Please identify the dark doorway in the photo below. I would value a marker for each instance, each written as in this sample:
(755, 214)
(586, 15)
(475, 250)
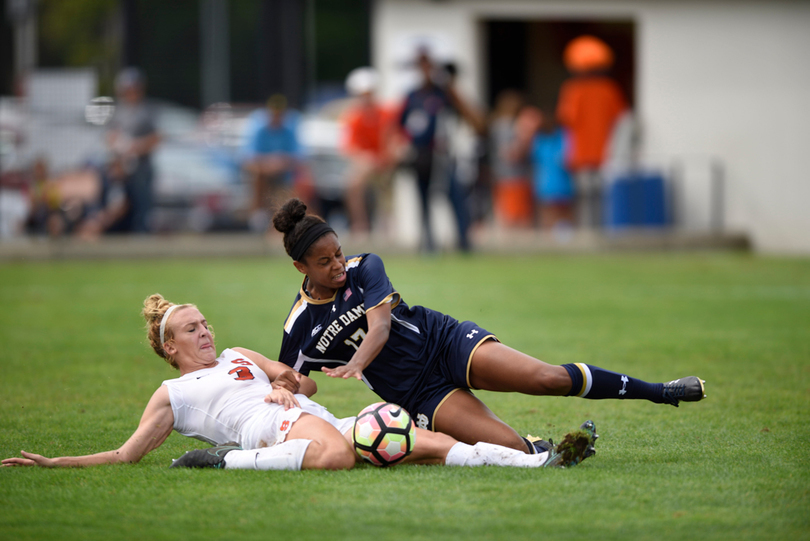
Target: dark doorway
(526, 55)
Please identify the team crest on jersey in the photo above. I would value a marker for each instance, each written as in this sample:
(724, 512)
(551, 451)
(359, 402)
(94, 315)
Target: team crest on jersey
(317, 329)
(347, 294)
(422, 421)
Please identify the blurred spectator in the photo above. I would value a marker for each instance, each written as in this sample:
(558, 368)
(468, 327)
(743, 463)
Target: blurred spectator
(14, 203)
(271, 157)
(45, 201)
(540, 139)
(370, 144)
(110, 213)
(590, 103)
(419, 120)
(133, 137)
(553, 188)
(510, 140)
(460, 146)
(60, 204)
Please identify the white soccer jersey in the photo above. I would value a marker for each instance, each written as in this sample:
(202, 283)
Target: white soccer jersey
(226, 403)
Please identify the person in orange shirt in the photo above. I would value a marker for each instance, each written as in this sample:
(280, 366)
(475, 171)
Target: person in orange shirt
(589, 105)
(369, 144)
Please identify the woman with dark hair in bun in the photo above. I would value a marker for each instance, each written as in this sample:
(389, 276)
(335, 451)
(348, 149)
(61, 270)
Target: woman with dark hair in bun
(348, 321)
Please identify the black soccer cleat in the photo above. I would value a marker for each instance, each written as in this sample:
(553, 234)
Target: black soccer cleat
(688, 389)
(213, 457)
(574, 448)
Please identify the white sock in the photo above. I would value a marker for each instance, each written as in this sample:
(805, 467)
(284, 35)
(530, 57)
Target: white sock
(283, 456)
(488, 454)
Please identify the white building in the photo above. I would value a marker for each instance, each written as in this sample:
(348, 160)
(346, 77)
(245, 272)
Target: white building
(718, 85)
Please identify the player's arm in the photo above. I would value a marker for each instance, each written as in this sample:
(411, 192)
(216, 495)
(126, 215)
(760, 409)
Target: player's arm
(379, 328)
(281, 375)
(155, 426)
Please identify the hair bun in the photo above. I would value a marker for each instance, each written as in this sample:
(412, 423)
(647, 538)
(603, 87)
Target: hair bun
(292, 212)
(152, 307)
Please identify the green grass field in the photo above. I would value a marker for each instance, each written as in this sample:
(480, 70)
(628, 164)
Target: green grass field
(77, 372)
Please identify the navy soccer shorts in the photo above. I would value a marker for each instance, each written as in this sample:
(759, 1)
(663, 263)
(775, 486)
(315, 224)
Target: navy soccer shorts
(451, 374)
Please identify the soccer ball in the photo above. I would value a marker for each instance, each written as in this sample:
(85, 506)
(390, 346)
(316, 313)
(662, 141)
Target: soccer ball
(384, 434)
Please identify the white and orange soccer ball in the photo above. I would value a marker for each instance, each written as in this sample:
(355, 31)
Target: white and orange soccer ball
(384, 434)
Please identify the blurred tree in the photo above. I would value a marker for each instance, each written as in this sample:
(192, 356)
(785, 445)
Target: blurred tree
(166, 39)
(81, 33)
(342, 38)
(163, 38)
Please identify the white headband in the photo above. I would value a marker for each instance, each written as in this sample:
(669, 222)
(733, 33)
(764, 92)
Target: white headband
(165, 319)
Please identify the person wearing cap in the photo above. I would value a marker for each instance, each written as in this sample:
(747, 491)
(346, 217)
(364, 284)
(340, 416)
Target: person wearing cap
(369, 143)
(589, 105)
(133, 136)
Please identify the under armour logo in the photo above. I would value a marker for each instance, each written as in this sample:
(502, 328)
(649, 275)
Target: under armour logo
(623, 390)
(472, 333)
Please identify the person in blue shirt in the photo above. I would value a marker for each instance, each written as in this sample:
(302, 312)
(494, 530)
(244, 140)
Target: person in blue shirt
(546, 144)
(349, 321)
(553, 186)
(271, 155)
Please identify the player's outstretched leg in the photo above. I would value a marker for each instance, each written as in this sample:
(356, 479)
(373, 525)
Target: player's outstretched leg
(212, 457)
(588, 381)
(496, 367)
(288, 455)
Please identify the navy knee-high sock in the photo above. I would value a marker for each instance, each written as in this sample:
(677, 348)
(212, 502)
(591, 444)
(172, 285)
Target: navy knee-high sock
(590, 381)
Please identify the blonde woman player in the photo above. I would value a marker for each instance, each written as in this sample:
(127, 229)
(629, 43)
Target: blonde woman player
(257, 414)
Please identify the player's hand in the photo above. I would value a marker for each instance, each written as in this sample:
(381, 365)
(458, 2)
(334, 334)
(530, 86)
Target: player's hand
(289, 379)
(30, 459)
(282, 397)
(346, 371)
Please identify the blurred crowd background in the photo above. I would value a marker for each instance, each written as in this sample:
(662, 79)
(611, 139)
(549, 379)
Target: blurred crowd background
(424, 124)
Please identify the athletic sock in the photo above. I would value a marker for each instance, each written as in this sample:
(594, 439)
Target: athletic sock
(283, 456)
(488, 454)
(596, 383)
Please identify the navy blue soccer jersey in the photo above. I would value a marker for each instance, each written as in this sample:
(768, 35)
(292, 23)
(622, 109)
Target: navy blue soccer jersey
(320, 333)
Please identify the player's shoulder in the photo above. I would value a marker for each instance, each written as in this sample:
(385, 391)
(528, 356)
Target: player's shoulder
(353, 261)
(230, 354)
(366, 261)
